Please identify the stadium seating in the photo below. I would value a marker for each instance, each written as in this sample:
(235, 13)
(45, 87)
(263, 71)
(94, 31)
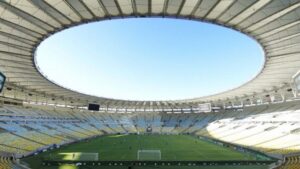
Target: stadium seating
(269, 128)
(273, 130)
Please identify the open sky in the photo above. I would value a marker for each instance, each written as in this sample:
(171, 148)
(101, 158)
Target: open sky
(149, 59)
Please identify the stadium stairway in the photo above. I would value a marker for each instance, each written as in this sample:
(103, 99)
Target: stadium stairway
(8, 163)
(292, 162)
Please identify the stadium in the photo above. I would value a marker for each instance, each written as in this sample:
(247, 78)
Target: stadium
(253, 126)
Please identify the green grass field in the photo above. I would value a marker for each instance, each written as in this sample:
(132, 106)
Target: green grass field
(125, 147)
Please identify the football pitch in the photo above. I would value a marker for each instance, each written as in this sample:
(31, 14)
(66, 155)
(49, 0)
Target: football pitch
(125, 148)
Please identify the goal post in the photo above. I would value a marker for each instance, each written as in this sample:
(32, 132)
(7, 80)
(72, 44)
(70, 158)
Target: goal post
(148, 155)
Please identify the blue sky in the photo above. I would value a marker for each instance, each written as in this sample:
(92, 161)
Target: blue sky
(149, 59)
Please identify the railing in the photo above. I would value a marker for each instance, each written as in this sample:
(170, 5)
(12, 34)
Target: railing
(157, 163)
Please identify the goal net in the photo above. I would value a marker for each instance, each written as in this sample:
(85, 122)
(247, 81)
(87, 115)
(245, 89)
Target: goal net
(151, 155)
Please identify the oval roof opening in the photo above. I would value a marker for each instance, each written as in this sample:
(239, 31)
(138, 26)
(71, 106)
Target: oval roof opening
(150, 59)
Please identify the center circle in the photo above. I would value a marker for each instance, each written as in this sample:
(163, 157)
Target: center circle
(149, 59)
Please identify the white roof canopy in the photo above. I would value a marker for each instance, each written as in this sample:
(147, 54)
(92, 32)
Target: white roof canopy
(275, 24)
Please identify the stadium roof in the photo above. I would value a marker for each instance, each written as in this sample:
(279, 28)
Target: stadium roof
(25, 23)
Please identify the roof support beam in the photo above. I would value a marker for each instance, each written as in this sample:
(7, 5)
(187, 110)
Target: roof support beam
(77, 6)
(52, 12)
(27, 49)
(18, 38)
(134, 8)
(149, 7)
(104, 9)
(119, 8)
(166, 4)
(32, 19)
(180, 7)
(192, 15)
(273, 17)
(22, 29)
(248, 12)
(22, 56)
